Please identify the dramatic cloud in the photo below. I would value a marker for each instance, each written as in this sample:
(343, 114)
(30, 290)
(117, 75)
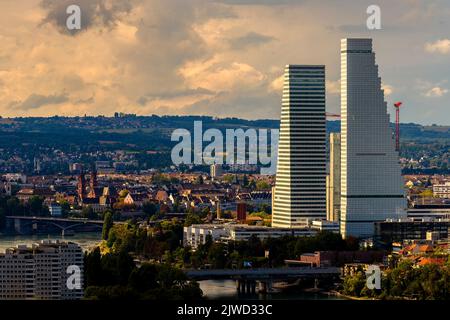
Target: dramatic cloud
(440, 46)
(220, 58)
(36, 101)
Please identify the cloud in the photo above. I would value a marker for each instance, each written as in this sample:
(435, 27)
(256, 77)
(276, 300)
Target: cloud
(277, 84)
(439, 46)
(261, 2)
(388, 89)
(333, 87)
(436, 92)
(220, 58)
(430, 89)
(35, 101)
(249, 40)
(93, 12)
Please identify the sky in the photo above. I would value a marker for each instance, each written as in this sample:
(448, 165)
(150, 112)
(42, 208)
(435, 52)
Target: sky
(222, 58)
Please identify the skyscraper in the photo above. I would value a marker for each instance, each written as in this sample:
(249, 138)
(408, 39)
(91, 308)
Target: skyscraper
(371, 182)
(301, 167)
(334, 178)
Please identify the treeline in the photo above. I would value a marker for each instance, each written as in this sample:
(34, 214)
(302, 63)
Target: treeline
(115, 276)
(11, 206)
(406, 281)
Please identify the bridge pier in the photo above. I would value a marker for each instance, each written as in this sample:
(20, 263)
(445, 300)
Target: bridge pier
(264, 286)
(245, 286)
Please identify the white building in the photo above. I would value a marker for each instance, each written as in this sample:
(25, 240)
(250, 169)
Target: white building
(442, 190)
(40, 271)
(55, 210)
(325, 225)
(196, 234)
(371, 183)
(300, 192)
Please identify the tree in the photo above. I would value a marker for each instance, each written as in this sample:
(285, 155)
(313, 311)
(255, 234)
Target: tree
(191, 219)
(65, 208)
(149, 208)
(199, 179)
(107, 225)
(13, 206)
(262, 185)
(244, 180)
(2, 219)
(89, 213)
(93, 268)
(144, 278)
(36, 206)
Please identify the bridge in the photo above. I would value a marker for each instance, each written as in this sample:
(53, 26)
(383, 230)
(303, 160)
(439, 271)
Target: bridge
(263, 273)
(248, 279)
(50, 225)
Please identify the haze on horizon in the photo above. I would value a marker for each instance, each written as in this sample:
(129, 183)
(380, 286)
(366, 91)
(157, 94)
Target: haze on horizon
(222, 58)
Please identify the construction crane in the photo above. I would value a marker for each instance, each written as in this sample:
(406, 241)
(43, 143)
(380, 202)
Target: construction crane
(397, 106)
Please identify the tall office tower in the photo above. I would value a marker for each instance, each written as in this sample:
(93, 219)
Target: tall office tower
(300, 194)
(334, 178)
(41, 271)
(371, 183)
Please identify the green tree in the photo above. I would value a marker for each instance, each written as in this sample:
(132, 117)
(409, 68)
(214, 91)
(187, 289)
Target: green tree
(36, 206)
(262, 185)
(88, 213)
(65, 208)
(93, 268)
(2, 219)
(144, 278)
(149, 208)
(107, 225)
(192, 218)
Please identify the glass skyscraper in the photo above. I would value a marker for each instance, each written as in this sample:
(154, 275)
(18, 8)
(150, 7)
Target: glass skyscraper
(371, 182)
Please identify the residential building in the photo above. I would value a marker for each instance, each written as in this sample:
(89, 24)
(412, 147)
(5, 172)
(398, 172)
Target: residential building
(371, 182)
(300, 194)
(55, 210)
(442, 190)
(393, 230)
(197, 234)
(40, 271)
(432, 210)
(325, 225)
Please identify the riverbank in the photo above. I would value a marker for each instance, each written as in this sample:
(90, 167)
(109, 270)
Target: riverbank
(85, 240)
(347, 297)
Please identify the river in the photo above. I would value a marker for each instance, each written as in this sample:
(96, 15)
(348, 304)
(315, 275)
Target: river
(85, 240)
(212, 289)
(226, 290)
